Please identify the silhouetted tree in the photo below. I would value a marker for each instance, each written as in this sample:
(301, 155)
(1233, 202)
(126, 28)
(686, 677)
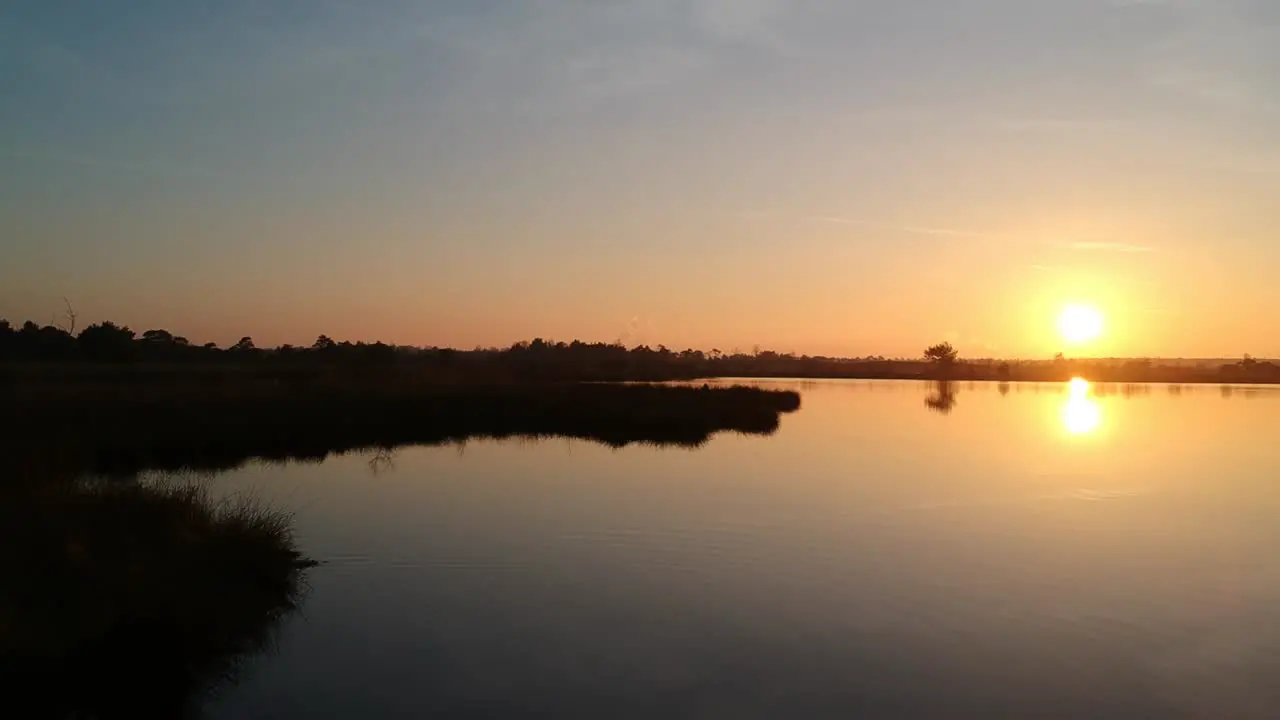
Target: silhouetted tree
(8, 340)
(941, 354)
(244, 344)
(163, 337)
(106, 341)
(106, 330)
(324, 342)
(942, 357)
(378, 352)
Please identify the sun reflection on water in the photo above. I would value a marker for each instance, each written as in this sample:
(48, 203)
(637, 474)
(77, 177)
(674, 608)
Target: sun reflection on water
(1082, 414)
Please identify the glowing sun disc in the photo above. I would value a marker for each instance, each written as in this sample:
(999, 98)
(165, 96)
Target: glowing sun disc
(1080, 324)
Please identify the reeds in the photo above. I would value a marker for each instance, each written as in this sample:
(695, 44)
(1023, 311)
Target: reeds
(133, 599)
(121, 431)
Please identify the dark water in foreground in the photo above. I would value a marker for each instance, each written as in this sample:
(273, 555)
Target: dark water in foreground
(889, 553)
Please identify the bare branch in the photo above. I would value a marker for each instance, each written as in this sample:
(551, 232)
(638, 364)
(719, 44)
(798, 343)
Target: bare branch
(71, 317)
(383, 459)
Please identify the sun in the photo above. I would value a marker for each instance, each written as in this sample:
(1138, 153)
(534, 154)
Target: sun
(1080, 324)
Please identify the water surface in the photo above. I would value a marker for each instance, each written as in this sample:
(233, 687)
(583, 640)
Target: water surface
(895, 550)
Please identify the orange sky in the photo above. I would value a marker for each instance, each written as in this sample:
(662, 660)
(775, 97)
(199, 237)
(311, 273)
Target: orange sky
(829, 179)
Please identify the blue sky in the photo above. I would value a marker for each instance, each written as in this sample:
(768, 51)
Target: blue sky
(859, 177)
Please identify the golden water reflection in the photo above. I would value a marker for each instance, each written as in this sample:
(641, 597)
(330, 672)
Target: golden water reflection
(1081, 415)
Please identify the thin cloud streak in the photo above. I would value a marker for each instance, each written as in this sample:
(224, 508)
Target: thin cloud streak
(911, 229)
(1110, 247)
(65, 156)
(1219, 54)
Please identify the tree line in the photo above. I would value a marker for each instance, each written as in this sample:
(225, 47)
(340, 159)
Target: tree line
(111, 343)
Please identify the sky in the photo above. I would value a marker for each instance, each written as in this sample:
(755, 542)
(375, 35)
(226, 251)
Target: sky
(855, 178)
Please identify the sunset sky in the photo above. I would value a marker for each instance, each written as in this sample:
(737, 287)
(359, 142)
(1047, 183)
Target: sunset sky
(861, 177)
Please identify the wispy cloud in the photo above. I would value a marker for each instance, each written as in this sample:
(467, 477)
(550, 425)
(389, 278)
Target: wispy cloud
(59, 155)
(1220, 53)
(1109, 247)
(910, 229)
(1060, 124)
(745, 20)
(56, 63)
(559, 53)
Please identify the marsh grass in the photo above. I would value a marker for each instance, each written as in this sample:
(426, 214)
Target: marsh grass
(136, 599)
(121, 431)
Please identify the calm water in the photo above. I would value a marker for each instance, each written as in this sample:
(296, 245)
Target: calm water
(1035, 553)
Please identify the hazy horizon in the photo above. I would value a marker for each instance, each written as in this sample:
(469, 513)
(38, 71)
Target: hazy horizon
(819, 178)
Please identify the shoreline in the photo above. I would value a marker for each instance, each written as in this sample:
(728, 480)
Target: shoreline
(120, 430)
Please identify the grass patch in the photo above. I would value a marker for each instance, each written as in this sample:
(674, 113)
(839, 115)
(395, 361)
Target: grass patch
(125, 430)
(135, 599)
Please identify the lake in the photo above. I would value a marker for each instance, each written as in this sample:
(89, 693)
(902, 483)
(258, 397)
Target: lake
(892, 551)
